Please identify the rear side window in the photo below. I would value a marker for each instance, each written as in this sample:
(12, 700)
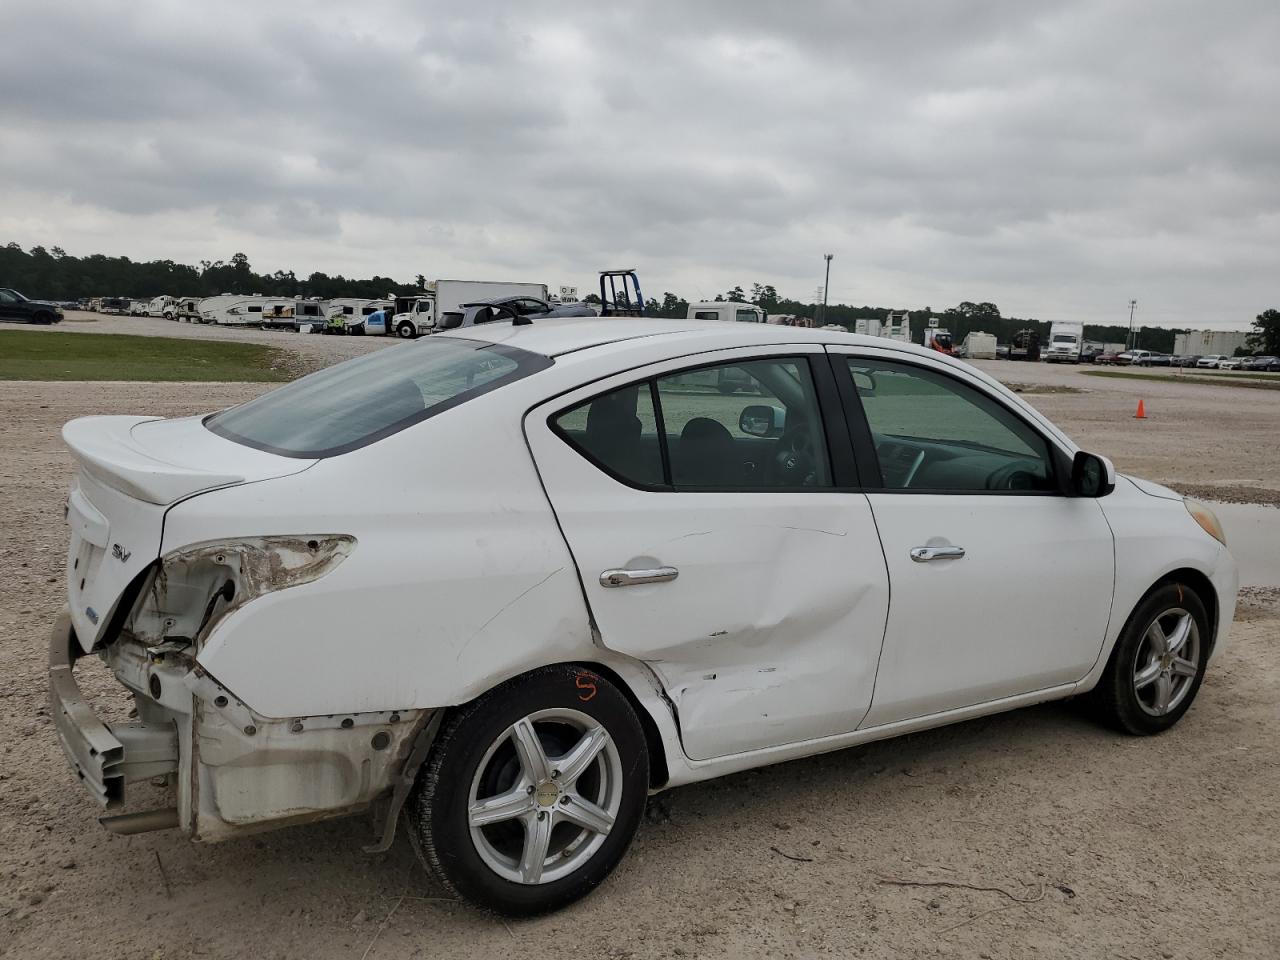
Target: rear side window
(751, 425)
(353, 404)
(618, 432)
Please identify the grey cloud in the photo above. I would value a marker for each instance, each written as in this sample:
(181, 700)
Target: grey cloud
(1054, 158)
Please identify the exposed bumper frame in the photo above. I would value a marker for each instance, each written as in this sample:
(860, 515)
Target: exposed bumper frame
(103, 757)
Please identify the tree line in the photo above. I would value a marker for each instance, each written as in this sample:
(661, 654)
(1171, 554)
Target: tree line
(54, 274)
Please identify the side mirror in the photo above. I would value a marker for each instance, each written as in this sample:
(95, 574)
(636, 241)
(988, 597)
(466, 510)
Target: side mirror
(762, 420)
(1091, 475)
(450, 320)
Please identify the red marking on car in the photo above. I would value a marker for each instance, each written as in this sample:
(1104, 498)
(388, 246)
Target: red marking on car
(586, 683)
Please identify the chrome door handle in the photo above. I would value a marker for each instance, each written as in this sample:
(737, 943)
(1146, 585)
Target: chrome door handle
(925, 554)
(629, 578)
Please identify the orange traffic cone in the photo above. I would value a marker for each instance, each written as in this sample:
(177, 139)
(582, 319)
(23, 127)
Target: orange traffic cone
(1142, 412)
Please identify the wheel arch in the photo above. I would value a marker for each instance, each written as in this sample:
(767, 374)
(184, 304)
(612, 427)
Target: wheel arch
(1204, 589)
(643, 701)
(1197, 579)
(659, 770)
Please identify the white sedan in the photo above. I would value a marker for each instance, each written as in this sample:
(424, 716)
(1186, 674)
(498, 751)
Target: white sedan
(512, 579)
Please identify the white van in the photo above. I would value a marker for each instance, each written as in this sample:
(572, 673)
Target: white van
(726, 310)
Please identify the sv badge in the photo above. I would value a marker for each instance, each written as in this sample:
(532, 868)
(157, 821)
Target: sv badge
(120, 553)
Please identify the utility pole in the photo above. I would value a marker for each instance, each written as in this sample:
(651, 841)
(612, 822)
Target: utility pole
(826, 285)
(1132, 304)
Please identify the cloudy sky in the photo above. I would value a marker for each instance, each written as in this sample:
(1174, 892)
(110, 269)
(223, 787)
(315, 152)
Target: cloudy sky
(1054, 158)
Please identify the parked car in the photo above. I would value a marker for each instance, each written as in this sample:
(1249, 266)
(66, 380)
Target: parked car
(14, 306)
(1264, 364)
(524, 309)
(1212, 361)
(599, 576)
(1158, 359)
(1186, 361)
(1108, 359)
(1230, 363)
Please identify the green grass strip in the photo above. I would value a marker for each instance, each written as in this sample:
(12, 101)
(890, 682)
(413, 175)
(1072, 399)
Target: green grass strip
(46, 355)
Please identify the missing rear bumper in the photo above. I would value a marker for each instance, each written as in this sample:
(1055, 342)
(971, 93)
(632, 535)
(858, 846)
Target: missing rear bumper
(105, 757)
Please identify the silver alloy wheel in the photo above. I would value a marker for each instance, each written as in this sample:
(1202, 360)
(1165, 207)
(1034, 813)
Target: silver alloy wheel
(1167, 661)
(545, 796)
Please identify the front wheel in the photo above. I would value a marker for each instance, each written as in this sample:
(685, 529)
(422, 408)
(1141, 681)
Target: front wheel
(533, 792)
(1158, 663)
(405, 330)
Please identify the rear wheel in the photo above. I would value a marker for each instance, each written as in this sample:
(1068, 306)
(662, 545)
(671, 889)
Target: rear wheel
(1158, 664)
(533, 792)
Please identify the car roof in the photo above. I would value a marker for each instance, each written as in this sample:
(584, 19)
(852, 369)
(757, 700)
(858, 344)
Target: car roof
(555, 337)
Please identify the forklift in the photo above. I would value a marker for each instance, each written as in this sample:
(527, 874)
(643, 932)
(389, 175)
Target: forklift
(620, 294)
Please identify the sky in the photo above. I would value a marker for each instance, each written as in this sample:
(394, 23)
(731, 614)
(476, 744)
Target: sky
(1057, 159)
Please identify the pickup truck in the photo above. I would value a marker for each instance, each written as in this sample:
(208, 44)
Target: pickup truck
(14, 306)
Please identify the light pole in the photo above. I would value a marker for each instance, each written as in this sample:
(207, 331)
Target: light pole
(826, 285)
(1132, 304)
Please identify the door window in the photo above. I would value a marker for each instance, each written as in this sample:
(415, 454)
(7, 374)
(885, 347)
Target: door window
(932, 432)
(737, 426)
(618, 432)
(705, 411)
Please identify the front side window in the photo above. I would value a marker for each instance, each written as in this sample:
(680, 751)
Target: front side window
(706, 315)
(932, 432)
(748, 316)
(8, 296)
(363, 400)
(748, 425)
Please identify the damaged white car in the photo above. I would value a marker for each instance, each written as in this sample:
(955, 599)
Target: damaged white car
(503, 583)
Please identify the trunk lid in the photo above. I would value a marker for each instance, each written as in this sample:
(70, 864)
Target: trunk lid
(132, 469)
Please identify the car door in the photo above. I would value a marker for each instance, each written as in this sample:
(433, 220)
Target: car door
(718, 540)
(1001, 583)
(10, 306)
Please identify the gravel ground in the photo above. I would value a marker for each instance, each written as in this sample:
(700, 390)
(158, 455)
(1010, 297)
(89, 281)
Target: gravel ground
(1084, 844)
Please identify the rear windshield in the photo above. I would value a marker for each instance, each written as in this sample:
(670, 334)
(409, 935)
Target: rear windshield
(355, 403)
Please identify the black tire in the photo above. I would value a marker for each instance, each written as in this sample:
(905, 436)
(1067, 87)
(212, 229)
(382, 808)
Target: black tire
(405, 330)
(44, 319)
(439, 816)
(1115, 700)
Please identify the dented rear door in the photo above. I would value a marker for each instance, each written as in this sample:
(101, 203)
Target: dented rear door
(771, 629)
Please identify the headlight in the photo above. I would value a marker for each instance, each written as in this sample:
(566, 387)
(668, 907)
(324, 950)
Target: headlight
(1206, 518)
(197, 586)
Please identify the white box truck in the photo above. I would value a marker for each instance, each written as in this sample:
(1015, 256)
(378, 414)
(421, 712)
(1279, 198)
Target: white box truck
(417, 315)
(1066, 343)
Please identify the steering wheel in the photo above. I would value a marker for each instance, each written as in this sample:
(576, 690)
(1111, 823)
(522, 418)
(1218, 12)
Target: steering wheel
(1018, 475)
(795, 457)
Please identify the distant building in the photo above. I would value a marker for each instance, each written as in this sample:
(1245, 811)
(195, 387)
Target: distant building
(1204, 342)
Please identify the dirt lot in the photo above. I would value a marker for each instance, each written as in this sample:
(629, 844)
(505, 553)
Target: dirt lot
(1083, 844)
